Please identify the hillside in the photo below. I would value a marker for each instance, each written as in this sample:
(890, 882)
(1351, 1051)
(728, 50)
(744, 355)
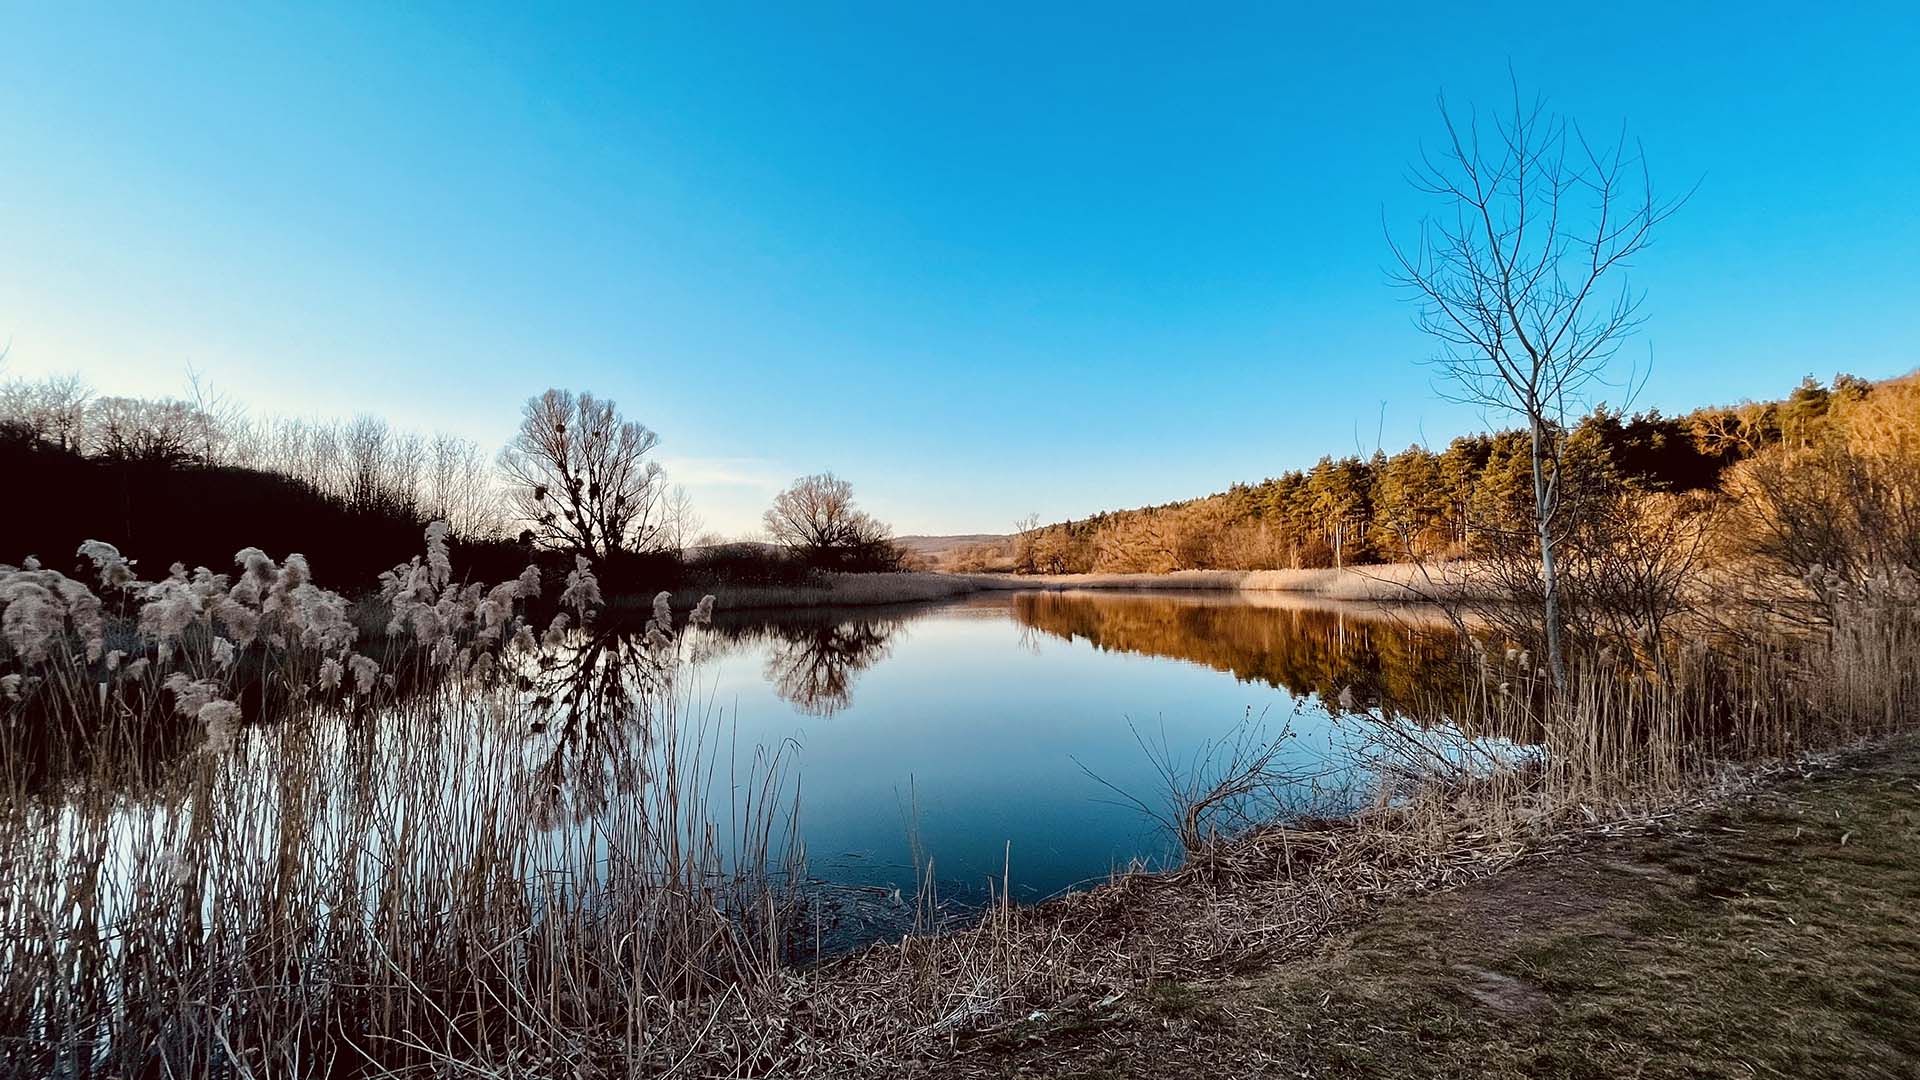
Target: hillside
(1421, 503)
(937, 548)
(160, 513)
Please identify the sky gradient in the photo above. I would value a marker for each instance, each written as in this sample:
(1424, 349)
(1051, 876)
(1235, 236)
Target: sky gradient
(979, 264)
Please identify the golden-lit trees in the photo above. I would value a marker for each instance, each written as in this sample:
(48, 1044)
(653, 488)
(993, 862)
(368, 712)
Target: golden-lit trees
(1411, 503)
(1473, 499)
(1835, 506)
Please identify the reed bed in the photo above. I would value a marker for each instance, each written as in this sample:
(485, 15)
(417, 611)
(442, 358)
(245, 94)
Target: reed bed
(1390, 582)
(240, 846)
(330, 898)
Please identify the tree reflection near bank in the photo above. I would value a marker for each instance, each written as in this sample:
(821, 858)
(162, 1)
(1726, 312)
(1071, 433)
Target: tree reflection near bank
(1350, 657)
(813, 656)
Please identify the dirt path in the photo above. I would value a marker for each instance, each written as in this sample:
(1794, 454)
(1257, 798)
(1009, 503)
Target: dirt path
(1776, 936)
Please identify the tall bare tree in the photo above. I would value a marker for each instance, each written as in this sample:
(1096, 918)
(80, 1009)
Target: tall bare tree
(679, 521)
(1520, 277)
(579, 474)
(217, 421)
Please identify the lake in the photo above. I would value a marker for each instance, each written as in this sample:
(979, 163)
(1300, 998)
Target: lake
(1025, 741)
(1014, 736)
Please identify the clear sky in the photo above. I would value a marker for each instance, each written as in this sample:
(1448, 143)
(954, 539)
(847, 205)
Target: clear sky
(978, 260)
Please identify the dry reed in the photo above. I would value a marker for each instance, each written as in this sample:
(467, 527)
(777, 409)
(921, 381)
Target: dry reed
(1391, 582)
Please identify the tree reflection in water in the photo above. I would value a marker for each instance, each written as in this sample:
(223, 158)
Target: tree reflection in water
(596, 698)
(1351, 657)
(591, 698)
(814, 656)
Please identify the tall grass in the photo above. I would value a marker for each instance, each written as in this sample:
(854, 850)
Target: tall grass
(495, 846)
(1391, 582)
(1629, 734)
(461, 877)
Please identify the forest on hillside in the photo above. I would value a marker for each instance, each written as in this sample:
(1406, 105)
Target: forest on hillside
(1422, 504)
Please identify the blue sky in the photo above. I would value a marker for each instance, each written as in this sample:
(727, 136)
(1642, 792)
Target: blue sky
(979, 262)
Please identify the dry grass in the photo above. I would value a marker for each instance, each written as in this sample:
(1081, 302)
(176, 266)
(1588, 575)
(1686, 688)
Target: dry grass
(1392, 582)
(342, 895)
(1769, 932)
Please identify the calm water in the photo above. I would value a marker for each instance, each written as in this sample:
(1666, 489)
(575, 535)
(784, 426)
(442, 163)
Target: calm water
(1011, 734)
(999, 732)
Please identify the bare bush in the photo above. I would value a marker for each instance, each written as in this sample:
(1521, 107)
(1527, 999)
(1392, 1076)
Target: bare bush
(816, 518)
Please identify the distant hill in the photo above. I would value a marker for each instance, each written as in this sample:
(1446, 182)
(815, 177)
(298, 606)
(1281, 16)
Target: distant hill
(935, 547)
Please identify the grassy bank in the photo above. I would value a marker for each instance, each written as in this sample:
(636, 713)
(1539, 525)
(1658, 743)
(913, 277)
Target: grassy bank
(1774, 932)
(1385, 582)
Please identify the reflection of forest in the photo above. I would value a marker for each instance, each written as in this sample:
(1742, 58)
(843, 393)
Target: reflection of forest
(813, 656)
(1303, 649)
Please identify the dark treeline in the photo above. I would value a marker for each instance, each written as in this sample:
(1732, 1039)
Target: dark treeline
(191, 480)
(164, 512)
(1419, 503)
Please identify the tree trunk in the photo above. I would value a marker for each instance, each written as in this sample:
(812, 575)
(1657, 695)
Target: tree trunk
(1545, 497)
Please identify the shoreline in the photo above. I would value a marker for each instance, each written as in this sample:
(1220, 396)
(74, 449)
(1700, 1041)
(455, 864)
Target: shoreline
(1032, 982)
(1385, 582)
(1779, 892)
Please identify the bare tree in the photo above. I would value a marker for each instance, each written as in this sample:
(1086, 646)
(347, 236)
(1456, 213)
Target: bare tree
(1025, 532)
(459, 487)
(52, 411)
(217, 421)
(679, 522)
(579, 474)
(816, 517)
(164, 432)
(1515, 278)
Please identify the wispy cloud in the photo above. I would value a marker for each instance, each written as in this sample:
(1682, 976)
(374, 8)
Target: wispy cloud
(736, 472)
(729, 493)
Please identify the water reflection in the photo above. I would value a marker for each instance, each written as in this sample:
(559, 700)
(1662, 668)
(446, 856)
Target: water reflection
(1351, 657)
(586, 706)
(1003, 725)
(814, 656)
(991, 738)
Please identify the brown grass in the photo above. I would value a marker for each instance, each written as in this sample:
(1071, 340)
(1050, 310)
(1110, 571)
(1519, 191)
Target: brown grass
(1391, 582)
(1769, 932)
